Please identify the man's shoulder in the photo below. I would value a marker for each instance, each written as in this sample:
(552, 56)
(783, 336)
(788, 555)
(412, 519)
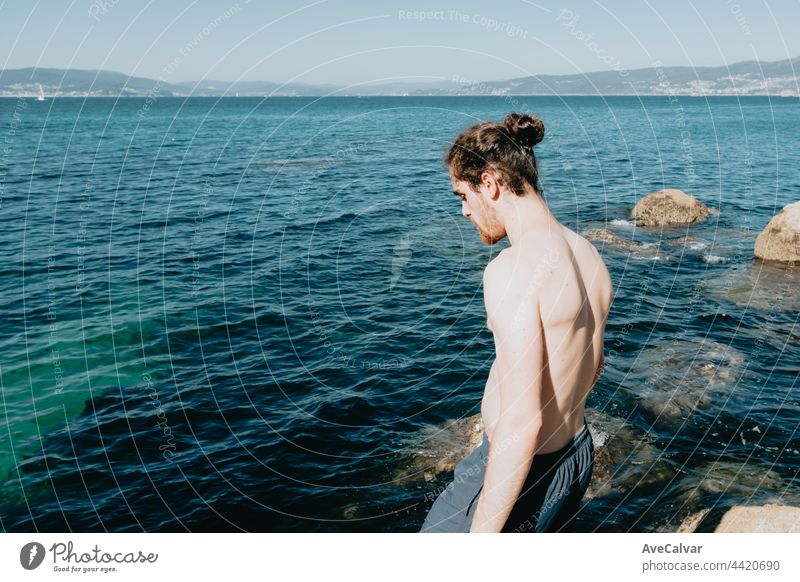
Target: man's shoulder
(509, 277)
(508, 292)
(506, 268)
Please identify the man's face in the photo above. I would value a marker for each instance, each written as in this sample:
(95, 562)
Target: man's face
(479, 207)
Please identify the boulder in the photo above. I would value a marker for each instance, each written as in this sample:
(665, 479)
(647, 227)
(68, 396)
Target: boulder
(760, 519)
(770, 518)
(780, 240)
(669, 207)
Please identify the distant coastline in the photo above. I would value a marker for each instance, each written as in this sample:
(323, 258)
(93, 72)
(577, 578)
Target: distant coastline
(747, 78)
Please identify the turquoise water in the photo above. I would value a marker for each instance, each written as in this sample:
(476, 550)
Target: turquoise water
(244, 314)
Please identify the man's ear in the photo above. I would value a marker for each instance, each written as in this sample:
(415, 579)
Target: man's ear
(490, 185)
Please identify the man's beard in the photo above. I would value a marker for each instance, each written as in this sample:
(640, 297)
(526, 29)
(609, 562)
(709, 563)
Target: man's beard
(490, 237)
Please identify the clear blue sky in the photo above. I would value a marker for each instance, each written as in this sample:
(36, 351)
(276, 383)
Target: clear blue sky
(343, 42)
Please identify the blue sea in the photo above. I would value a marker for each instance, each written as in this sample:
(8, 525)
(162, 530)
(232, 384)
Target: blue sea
(247, 314)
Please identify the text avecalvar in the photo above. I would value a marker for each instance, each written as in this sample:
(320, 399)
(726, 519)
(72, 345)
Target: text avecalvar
(671, 549)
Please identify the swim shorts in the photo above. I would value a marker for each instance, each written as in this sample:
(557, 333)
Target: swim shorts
(548, 501)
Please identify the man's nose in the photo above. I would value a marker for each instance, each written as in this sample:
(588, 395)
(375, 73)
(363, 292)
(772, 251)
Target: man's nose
(464, 211)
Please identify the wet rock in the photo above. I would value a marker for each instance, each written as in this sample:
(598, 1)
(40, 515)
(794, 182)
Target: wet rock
(436, 450)
(624, 458)
(605, 235)
(635, 250)
(708, 251)
(770, 518)
(669, 207)
(762, 519)
(780, 239)
(693, 521)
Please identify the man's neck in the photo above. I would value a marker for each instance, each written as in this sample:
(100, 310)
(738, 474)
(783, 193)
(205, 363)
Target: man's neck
(523, 214)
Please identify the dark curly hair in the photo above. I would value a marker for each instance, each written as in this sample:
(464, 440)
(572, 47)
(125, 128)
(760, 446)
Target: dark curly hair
(506, 148)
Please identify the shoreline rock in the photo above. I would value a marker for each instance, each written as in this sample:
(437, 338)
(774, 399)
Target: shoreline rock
(770, 518)
(636, 250)
(780, 239)
(438, 449)
(605, 235)
(669, 207)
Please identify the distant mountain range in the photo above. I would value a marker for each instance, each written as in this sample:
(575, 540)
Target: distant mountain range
(778, 78)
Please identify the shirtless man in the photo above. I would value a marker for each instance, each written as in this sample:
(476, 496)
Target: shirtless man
(547, 297)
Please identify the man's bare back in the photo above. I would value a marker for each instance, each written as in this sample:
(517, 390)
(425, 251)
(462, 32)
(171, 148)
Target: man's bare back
(547, 297)
(573, 290)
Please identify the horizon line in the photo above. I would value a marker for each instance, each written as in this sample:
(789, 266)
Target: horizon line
(318, 83)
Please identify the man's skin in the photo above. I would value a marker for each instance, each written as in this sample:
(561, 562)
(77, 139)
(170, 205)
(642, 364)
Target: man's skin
(547, 297)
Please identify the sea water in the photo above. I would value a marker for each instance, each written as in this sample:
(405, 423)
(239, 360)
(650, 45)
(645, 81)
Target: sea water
(246, 314)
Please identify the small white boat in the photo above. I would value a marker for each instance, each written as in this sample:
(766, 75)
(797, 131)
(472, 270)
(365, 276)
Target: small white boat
(41, 93)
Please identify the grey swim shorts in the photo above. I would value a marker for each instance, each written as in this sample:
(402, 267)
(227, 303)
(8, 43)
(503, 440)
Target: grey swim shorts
(548, 500)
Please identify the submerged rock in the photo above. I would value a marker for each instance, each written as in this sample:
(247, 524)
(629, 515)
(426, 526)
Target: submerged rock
(780, 239)
(674, 379)
(669, 207)
(708, 251)
(761, 286)
(689, 243)
(739, 479)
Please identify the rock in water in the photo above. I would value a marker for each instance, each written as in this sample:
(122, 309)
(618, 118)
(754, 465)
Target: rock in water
(765, 286)
(764, 519)
(604, 235)
(635, 250)
(624, 458)
(780, 240)
(770, 518)
(740, 479)
(436, 450)
(676, 378)
(668, 208)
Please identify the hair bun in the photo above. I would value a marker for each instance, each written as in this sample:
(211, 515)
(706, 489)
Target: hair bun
(526, 130)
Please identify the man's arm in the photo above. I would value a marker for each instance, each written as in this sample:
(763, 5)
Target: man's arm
(512, 309)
